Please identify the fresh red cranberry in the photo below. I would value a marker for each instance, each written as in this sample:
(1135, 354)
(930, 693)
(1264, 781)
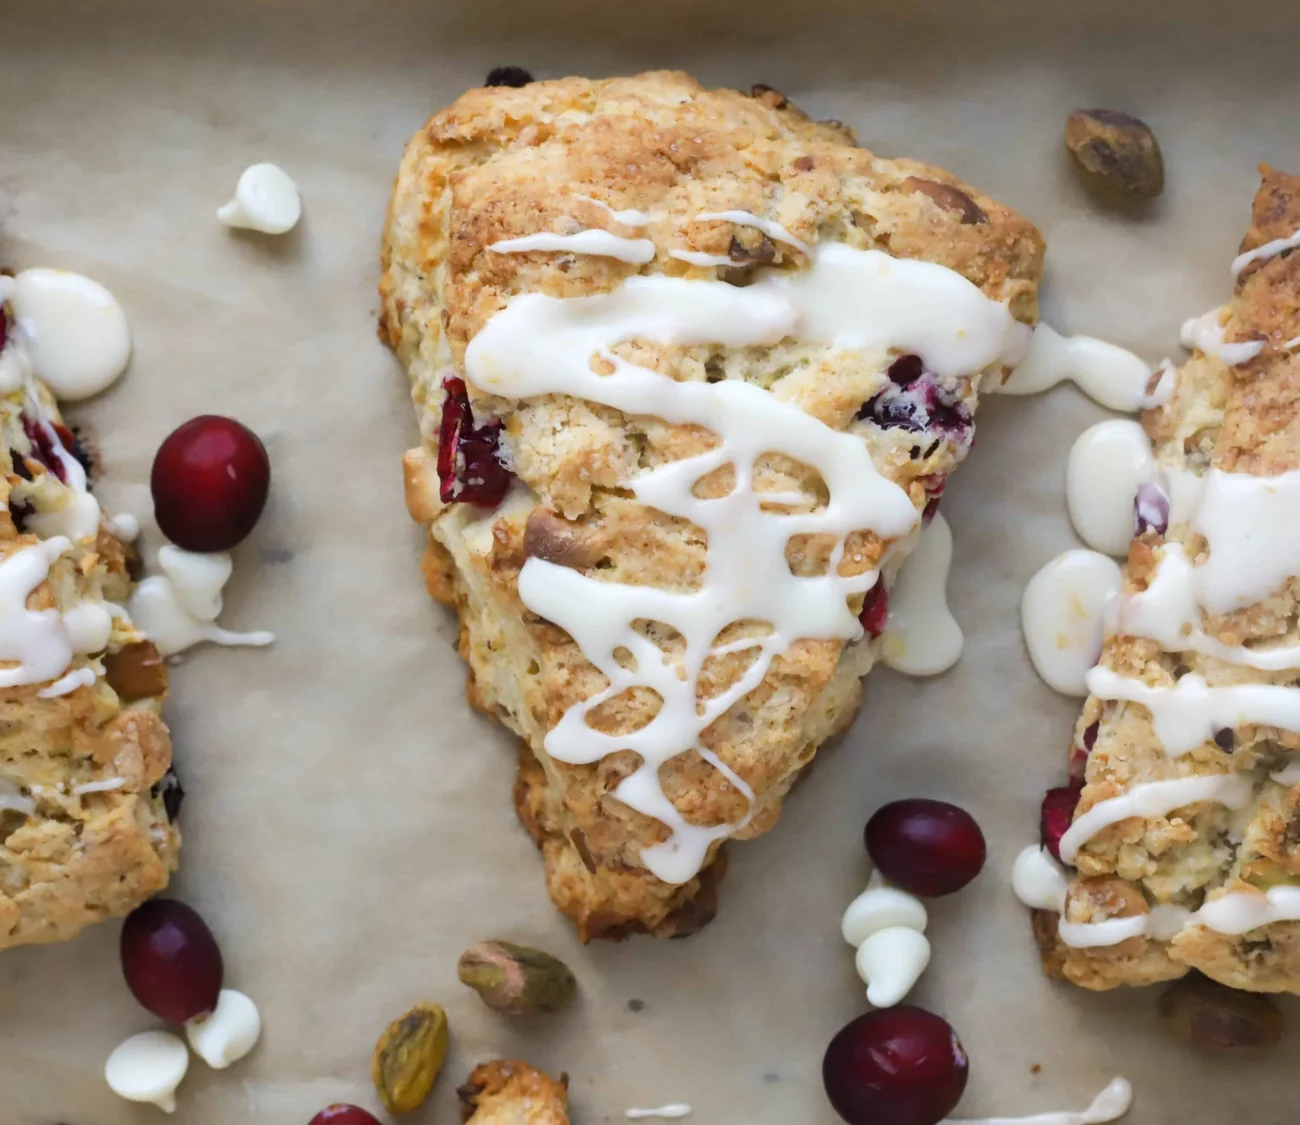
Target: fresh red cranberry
(4, 328)
(209, 482)
(924, 846)
(895, 1066)
(340, 1113)
(934, 484)
(469, 467)
(171, 960)
(1150, 510)
(915, 401)
(1079, 753)
(1057, 814)
(875, 609)
(75, 446)
(172, 793)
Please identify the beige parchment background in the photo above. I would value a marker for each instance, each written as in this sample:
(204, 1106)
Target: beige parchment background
(348, 828)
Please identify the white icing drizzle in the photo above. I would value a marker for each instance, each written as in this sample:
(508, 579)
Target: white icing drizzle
(35, 638)
(70, 332)
(1206, 333)
(1253, 532)
(1167, 612)
(79, 518)
(1163, 391)
(105, 785)
(863, 300)
(178, 608)
(1232, 912)
(1062, 614)
(628, 217)
(1106, 465)
(125, 527)
(770, 228)
(1112, 376)
(1188, 714)
(89, 625)
(922, 638)
(66, 685)
(674, 1109)
(1112, 1103)
(1152, 799)
(1038, 880)
(699, 258)
(1268, 250)
(599, 243)
(1289, 775)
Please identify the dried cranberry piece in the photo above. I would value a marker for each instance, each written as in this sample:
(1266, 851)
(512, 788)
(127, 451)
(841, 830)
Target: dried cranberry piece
(875, 610)
(172, 793)
(43, 449)
(1090, 735)
(469, 468)
(906, 370)
(515, 76)
(934, 484)
(1079, 754)
(73, 444)
(1226, 740)
(1150, 510)
(20, 511)
(1056, 815)
(4, 328)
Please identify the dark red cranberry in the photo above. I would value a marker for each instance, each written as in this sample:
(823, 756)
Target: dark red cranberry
(1057, 814)
(875, 609)
(906, 370)
(924, 846)
(172, 793)
(934, 484)
(342, 1114)
(469, 467)
(1225, 739)
(508, 76)
(1090, 735)
(74, 445)
(209, 482)
(4, 328)
(1150, 510)
(42, 440)
(895, 1066)
(20, 512)
(171, 960)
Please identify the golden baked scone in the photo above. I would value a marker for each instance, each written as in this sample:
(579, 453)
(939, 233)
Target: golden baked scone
(510, 1092)
(86, 792)
(600, 286)
(1194, 718)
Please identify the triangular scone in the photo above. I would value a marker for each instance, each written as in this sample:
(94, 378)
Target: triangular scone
(615, 299)
(87, 796)
(1197, 689)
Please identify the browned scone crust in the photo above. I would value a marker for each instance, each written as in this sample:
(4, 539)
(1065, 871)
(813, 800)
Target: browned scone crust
(510, 1092)
(1243, 419)
(503, 163)
(70, 857)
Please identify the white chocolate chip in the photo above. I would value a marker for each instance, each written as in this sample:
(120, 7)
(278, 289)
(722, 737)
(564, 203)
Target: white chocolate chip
(228, 1033)
(147, 1068)
(890, 962)
(266, 199)
(878, 908)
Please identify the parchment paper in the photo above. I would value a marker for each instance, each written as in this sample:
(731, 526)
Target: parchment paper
(348, 828)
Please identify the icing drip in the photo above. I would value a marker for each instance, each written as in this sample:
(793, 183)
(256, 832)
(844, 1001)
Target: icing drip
(1113, 1102)
(853, 299)
(72, 333)
(35, 638)
(1205, 333)
(1260, 253)
(772, 229)
(1189, 714)
(922, 638)
(699, 258)
(676, 1109)
(629, 217)
(1038, 880)
(1112, 376)
(1154, 798)
(1107, 463)
(599, 243)
(178, 608)
(66, 685)
(1062, 614)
